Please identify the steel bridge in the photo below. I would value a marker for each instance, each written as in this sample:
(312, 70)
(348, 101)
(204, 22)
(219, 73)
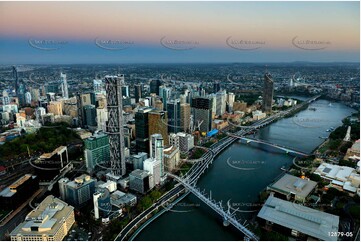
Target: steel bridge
(228, 217)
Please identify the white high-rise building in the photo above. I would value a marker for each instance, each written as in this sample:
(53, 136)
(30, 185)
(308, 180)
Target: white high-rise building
(102, 118)
(230, 100)
(221, 102)
(157, 149)
(153, 166)
(6, 98)
(27, 98)
(64, 86)
(99, 87)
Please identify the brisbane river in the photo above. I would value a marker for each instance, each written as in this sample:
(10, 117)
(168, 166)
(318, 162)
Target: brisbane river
(241, 172)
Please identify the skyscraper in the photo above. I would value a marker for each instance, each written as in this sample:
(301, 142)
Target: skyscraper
(267, 93)
(174, 116)
(202, 112)
(154, 86)
(142, 129)
(90, 115)
(16, 78)
(185, 114)
(216, 87)
(96, 150)
(164, 93)
(113, 87)
(137, 92)
(64, 86)
(158, 124)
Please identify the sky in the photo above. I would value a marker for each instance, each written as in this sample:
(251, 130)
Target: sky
(178, 32)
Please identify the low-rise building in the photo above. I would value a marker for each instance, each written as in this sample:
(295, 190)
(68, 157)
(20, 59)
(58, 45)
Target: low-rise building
(339, 176)
(50, 221)
(299, 220)
(139, 181)
(293, 188)
(120, 199)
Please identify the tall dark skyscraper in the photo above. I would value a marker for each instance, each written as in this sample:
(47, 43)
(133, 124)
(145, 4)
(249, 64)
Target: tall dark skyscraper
(216, 87)
(267, 93)
(137, 92)
(16, 78)
(142, 129)
(202, 111)
(174, 116)
(114, 125)
(154, 86)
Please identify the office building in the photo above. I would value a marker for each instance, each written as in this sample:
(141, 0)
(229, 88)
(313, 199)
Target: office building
(153, 166)
(138, 91)
(55, 107)
(102, 118)
(267, 97)
(138, 160)
(221, 98)
(164, 93)
(125, 91)
(77, 192)
(171, 158)
(154, 86)
(102, 205)
(183, 141)
(115, 123)
(96, 150)
(142, 129)
(120, 199)
(64, 86)
(185, 114)
(202, 113)
(174, 116)
(158, 124)
(27, 98)
(139, 181)
(50, 221)
(98, 86)
(216, 87)
(90, 114)
(230, 101)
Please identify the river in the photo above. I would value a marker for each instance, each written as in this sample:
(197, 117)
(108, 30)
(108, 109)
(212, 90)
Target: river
(241, 171)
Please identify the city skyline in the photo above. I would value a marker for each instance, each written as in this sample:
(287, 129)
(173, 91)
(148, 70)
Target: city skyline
(207, 32)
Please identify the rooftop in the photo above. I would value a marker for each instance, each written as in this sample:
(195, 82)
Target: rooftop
(119, 199)
(292, 184)
(20, 181)
(340, 173)
(51, 154)
(46, 218)
(139, 173)
(300, 218)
